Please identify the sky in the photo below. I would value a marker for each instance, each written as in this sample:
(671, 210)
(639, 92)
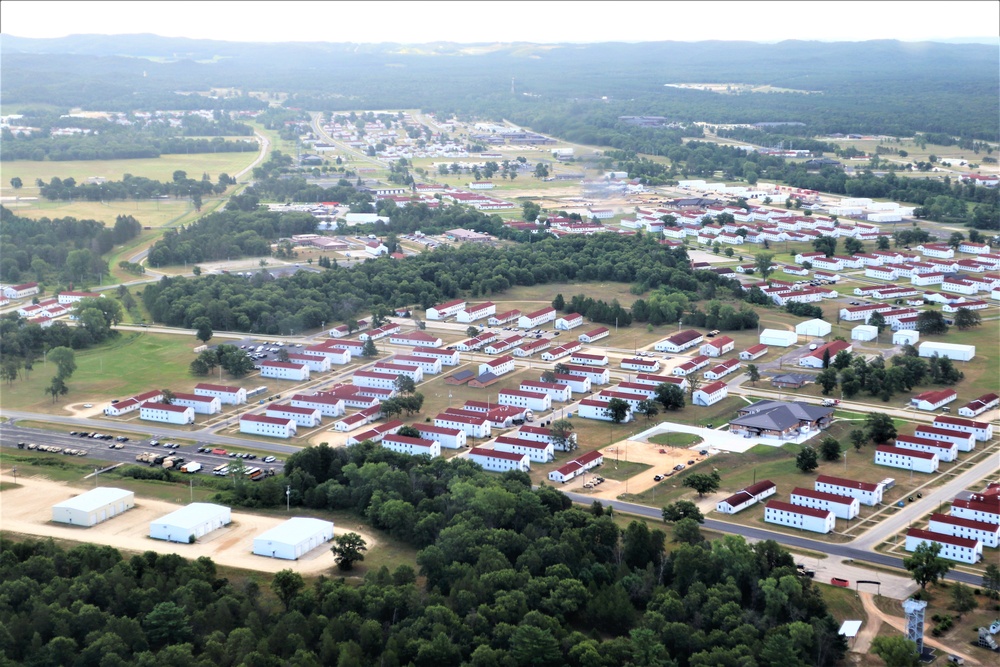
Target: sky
(538, 21)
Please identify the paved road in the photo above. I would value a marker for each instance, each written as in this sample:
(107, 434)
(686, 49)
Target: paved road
(847, 551)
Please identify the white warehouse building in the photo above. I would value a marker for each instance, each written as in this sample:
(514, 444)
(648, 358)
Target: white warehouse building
(778, 338)
(293, 539)
(189, 523)
(816, 328)
(953, 351)
(93, 507)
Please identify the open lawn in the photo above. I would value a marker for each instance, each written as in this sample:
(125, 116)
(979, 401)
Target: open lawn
(158, 168)
(128, 365)
(676, 439)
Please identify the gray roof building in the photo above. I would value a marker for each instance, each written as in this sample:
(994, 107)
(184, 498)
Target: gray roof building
(781, 416)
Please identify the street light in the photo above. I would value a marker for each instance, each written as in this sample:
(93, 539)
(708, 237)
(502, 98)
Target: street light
(288, 498)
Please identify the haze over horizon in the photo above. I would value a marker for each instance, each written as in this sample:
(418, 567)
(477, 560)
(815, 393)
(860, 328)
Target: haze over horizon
(504, 22)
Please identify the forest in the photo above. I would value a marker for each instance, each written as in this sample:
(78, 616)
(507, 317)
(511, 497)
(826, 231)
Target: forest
(305, 300)
(506, 576)
(883, 87)
(63, 250)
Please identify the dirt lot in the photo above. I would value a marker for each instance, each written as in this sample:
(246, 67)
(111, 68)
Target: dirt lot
(27, 510)
(637, 452)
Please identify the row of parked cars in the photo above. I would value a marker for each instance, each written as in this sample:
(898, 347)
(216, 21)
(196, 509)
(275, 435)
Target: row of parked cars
(52, 449)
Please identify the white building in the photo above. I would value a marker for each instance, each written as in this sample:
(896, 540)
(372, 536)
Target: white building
(536, 401)
(843, 507)
(315, 362)
(497, 461)
(746, 497)
(691, 366)
(413, 446)
(864, 332)
(953, 351)
(226, 395)
(806, 518)
(718, 346)
(577, 467)
(596, 374)
(202, 405)
(753, 352)
(375, 379)
(905, 337)
(557, 391)
(980, 405)
(594, 335)
(934, 399)
(866, 493)
(569, 321)
(93, 507)
(169, 414)
(985, 532)
(589, 359)
(476, 427)
(452, 438)
(498, 366)
(190, 522)
(778, 338)
(477, 311)
(430, 365)
(532, 320)
(966, 442)
(447, 357)
(710, 394)
(306, 417)
(281, 370)
(952, 548)
(416, 339)
(415, 373)
(815, 328)
(536, 451)
(445, 310)
(722, 370)
(598, 409)
(293, 539)
(641, 365)
(282, 427)
(907, 459)
(982, 431)
(327, 406)
(578, 384)
(976, 510)
(680, 341)
(946, 451)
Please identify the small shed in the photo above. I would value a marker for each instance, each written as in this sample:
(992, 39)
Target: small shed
(864, 332)
(189, 523)
(815, 328)
(778, 337)
(93, 507)
(293, 539)
(905, 337)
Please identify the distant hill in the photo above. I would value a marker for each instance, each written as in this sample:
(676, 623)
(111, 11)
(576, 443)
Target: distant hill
(877, 77)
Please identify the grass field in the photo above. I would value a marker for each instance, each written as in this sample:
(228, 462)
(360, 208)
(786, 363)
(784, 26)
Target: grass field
(676, 439)
(131, 364)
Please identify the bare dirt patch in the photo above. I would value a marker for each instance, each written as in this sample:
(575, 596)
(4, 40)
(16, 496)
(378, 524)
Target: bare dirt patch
(28, 510)
(637, 452)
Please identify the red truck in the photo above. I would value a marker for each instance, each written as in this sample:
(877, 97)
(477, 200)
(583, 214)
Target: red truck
(843, 583)
(220, 452)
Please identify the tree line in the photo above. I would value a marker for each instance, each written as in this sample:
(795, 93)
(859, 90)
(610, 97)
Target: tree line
(135, 187)
(308, 299)
(64, 250)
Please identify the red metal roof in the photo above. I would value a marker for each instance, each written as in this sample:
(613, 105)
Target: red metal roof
(798, 509)
(941, 537)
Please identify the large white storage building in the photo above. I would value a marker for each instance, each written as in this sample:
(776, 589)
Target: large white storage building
(778, 338)
(192, 521)
(953, 351)
(815, 328)
(293, 539)
(93, 507)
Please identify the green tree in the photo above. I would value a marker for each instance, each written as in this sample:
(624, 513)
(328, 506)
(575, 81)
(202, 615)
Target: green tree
(559, 303)
(688, 531)
(754, 373)
(896, 651)
(829, 449)
(167, 623)
(286, 585)
(931, 323)
(196, 270)
(682, 509)
(531, 646)
(807, 459)
(956, 239)
(282, 355)
(561, 431)
(348, 549)
(925, 566)
(405, 384)
(877, 320)
(853, 246)
(703, 483)
(879, 427)
(991, 581)
(858, 438)
(472, 331)
(763, 264)
(966, 319)
(203, 327)
(57, 387)
(16, 183)
(168, 396)
(369, 351)
(962, 598)
(670, 396)
(619, 410)
(65, 361)
(827, 380)
(648, 407)
(882, 243)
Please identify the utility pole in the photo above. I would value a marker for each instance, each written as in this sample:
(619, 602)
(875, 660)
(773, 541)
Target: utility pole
(288, 498)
